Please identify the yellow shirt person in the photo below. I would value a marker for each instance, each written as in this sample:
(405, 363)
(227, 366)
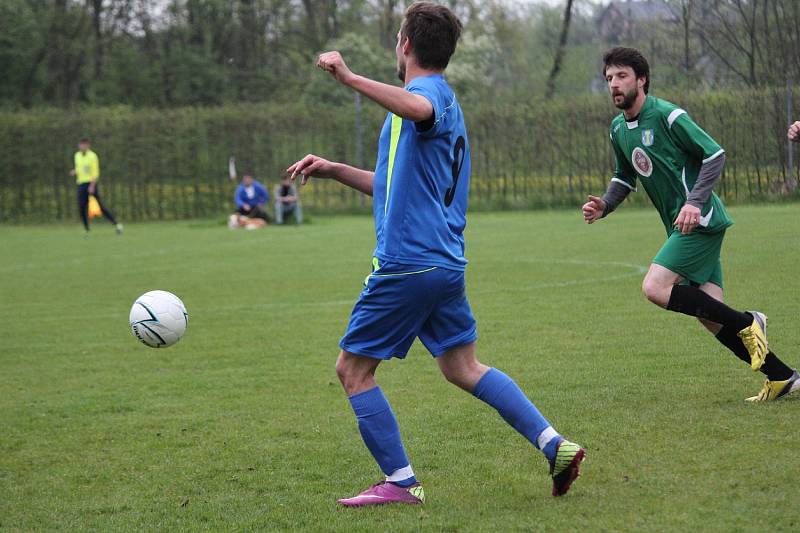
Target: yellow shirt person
(87, 166)
(86, 172)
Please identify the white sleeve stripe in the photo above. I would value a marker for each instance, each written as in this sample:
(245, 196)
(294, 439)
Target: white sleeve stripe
(713, 157)
(674, 116)
(628, 185)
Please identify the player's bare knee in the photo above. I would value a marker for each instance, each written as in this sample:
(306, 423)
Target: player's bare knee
(458, 379)
(464, 375)
(344, 369)
(655, 292)
(452, 375)
(353, 372)
(340, 373)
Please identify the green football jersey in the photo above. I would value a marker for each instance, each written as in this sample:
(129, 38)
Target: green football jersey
(665, 149)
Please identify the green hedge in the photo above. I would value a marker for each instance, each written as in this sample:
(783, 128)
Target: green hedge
(171, 164)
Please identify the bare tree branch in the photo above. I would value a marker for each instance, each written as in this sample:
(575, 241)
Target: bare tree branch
(560, 51)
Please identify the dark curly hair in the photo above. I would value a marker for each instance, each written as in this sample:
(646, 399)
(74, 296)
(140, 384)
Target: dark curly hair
(628, 57)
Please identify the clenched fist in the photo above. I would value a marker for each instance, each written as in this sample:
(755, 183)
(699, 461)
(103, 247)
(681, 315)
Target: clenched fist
(334, 63)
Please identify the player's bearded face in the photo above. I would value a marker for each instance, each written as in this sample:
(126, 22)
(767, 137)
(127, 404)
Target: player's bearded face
(624, 99)
(623, 86)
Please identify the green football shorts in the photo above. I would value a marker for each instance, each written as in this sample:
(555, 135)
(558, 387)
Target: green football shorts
(695, 256)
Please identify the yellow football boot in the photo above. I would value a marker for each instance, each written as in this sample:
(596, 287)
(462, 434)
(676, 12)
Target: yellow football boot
(772, 390)
(754, 338)
(566, 466)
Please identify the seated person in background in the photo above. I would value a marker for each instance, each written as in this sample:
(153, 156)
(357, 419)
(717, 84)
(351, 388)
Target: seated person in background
(250, 198)
(286, 201)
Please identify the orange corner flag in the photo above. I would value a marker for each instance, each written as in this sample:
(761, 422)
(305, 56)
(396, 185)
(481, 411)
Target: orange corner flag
(94, 208)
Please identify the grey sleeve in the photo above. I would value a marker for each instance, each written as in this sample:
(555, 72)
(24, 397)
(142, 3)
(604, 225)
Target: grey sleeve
(614, 195)
(706, 179)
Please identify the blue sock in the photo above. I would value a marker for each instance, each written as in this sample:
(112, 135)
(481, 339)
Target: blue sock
(381, 434)
(500, 391)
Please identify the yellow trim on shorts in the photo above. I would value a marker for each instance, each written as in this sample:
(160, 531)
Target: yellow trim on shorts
(403, 273)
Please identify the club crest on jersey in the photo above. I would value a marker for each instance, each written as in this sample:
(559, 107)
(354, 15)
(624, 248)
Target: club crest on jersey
(642, 162)
(648, 137)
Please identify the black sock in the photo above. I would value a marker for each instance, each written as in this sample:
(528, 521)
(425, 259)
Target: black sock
(773, 368)
(694, 302)
(729, 339)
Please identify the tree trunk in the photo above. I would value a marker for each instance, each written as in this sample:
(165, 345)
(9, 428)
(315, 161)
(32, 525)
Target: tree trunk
(388, 24)
(312, 29)
(686, 14)
(560, 51)
(97, 12)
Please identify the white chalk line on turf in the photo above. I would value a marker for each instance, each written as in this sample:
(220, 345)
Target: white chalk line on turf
(636, 270)
(199, 310)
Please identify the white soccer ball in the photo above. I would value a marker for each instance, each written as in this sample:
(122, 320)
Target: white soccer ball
(158, 319)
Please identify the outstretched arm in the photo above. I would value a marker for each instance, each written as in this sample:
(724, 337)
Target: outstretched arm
(397, 100)
(312, 166)
(620, 187)
(597, 208)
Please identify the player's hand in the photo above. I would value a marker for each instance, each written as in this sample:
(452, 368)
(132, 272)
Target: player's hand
(246, 207)
(72, 172)
(92, 188)
(688, 219)
(593, 209)
(334, 63)
(794, 132)
(312, 166)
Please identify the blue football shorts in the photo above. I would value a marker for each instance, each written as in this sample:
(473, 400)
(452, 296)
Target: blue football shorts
(402, 302)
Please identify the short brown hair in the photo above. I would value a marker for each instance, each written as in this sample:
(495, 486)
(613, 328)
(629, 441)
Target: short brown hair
(433, 31)
(628, 57)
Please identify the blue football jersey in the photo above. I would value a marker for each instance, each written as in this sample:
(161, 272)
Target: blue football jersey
(422, 183)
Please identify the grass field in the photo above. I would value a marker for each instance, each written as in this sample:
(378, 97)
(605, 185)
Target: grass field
(243, 425)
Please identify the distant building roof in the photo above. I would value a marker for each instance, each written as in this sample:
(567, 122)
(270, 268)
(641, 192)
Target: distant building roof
(621, 16)
(643, 10)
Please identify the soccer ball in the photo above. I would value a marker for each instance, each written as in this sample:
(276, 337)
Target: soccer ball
(158, 319)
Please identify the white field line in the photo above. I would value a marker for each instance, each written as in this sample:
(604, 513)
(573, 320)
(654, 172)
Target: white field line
(633, 270)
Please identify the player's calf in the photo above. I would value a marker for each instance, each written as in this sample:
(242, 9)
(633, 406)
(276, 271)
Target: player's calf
(501, 392)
